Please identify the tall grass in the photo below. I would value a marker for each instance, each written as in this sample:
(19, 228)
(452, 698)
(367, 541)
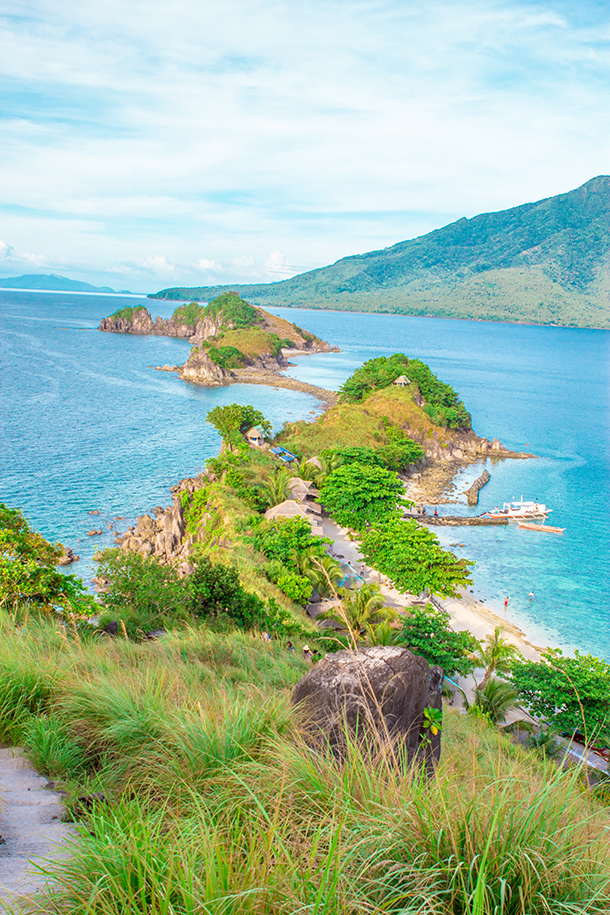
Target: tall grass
(215, 804)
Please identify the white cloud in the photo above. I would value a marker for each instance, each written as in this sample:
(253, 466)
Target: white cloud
(277, 264)
(243, 263)
(153, 264)
(205, 263)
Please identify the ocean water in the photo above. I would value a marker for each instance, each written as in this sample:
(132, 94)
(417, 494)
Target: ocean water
(87, 424)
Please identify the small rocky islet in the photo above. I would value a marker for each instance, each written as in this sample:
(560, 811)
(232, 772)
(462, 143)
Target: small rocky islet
(231, 341)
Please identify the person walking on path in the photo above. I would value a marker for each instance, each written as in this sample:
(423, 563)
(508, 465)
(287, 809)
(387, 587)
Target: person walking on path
(307, 654)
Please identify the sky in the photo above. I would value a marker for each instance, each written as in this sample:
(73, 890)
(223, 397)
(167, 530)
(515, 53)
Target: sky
(149, 144)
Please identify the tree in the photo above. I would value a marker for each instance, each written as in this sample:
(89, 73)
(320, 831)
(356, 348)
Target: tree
(427, 632)
(28, 573)
(325, 573)
(570, 694)
(143, 593)
(360, 609)
(411, 556)
(275, 489)
(496, 698)
(357, 495)
(284, 538)
(374, 374)
(234, 419)
(496, 655)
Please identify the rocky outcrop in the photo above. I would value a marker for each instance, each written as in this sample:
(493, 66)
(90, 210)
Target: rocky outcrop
(140, 322)
(377, 695)
(472, 494)
(68, 556)
(200, 369)
(162, 535)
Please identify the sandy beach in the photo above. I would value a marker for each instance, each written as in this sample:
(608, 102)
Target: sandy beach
(466, 612)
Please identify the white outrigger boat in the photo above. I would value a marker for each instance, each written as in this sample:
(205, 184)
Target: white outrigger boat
(519, 510)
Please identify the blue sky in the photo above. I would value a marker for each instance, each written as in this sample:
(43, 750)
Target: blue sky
(148, 144)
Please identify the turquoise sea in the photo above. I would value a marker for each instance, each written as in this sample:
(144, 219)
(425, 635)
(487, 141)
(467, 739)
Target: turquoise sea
(87, 424)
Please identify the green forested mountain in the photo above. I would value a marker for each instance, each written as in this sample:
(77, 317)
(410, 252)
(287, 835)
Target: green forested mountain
(546, 262)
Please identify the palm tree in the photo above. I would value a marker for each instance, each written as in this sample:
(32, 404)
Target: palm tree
(359, 609)
(546, 743)
(496, 655)
(496, 698)
(383, 634)
(325, 573)
(276, 488)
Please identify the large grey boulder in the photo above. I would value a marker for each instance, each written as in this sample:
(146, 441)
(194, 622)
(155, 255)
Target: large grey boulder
(375, 694)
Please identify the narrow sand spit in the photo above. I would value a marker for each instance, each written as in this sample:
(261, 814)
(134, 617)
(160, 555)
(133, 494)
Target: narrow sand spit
(31, 828)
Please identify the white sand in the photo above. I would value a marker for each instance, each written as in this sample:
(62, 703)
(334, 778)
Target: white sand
(466, 613)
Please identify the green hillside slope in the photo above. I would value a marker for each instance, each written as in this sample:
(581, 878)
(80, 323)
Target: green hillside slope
(546, 262)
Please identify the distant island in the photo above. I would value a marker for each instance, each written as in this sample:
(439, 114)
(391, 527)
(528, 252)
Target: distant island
(231, 341)
(546, 262)
(53, 283)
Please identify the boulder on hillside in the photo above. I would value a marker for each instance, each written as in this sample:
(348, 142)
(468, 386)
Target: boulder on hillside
(375, 694)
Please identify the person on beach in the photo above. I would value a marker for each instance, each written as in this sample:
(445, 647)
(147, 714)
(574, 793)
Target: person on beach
(505, 604)
(531, 595)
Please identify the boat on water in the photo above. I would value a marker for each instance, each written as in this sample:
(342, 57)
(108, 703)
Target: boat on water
(519, 509)
(547, 528)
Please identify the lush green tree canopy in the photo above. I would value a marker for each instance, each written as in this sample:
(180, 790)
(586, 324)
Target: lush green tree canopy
(427, 632)
(357, 495)
(442, 403)
(284, 539)
(560, 690)
(232, 420)
(28, 573)
(373, 375)
(412, 557)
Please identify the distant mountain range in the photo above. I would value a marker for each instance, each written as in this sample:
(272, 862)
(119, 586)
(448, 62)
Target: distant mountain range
(52, 282)
(546, 262)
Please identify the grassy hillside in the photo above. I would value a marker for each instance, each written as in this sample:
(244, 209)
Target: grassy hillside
(198, 794)
(546, 262)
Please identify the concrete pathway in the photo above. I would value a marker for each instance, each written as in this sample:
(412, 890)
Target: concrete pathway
(30, 826)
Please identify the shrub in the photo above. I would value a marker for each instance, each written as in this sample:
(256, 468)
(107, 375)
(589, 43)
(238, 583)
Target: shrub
(296, 587)
(142, 592)
(228, 357)
(286, 538)
(51, 749)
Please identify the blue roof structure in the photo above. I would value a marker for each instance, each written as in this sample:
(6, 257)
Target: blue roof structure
(284, 455)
